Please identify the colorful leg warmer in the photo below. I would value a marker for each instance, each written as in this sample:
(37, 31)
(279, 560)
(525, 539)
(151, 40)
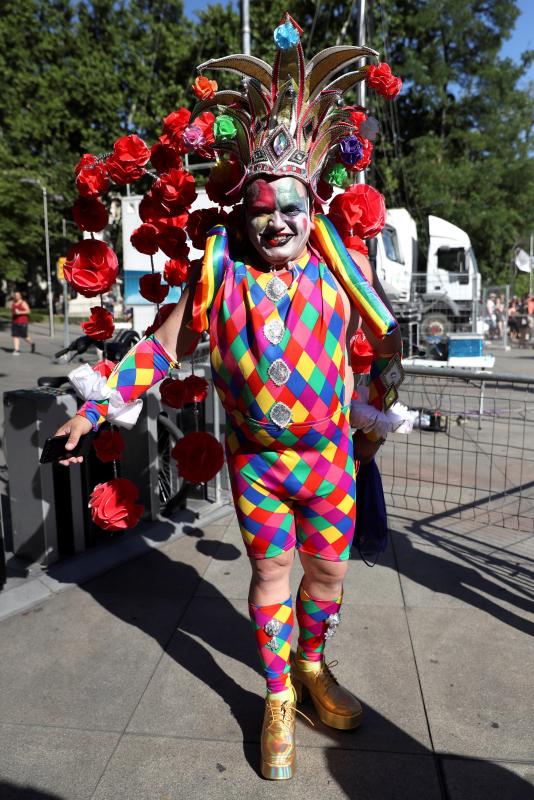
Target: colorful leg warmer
(273, 626)
(318, 620)
(146, 364)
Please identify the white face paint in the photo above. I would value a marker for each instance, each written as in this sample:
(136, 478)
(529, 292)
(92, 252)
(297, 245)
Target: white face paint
(278, 219)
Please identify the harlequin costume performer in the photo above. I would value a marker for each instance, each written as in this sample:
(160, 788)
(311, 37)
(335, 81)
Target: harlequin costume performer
(278, 311)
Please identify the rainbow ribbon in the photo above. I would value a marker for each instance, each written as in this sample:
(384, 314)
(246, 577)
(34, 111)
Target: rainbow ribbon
(211, 276)
(371, 308)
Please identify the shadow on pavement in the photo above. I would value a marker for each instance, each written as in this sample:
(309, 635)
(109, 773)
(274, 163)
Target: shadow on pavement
(10, 791)
(230, 633)
(505, 579)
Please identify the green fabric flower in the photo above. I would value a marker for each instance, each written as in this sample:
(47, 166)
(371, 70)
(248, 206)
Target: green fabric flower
(337, 176)
(224, 128)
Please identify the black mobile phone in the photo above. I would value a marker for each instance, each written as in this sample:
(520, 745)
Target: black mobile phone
(54, 448)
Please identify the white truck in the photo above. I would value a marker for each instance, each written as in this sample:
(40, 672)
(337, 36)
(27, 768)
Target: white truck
(444, 297)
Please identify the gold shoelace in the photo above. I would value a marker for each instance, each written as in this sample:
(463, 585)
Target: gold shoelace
(285, 713)
(325, 675)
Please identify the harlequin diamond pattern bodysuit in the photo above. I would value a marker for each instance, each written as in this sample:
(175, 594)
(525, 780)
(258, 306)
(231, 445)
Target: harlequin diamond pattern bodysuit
(278, 361)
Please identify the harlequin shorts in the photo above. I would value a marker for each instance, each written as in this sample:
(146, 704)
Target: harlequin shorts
(294, 487)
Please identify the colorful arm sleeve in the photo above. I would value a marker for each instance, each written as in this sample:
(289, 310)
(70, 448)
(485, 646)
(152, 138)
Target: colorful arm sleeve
(144, 365)
(216, 259)
(371, 308)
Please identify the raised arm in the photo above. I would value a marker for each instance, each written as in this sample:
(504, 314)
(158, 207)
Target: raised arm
(392, 343)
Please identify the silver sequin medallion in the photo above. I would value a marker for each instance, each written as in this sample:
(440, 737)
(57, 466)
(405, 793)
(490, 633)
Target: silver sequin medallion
(273, 627)
(276, 289)
(274, 331)
(279, 372)
(332, 622)
(280, 415)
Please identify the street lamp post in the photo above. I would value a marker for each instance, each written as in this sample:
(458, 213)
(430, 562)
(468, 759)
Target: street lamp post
(35, 182)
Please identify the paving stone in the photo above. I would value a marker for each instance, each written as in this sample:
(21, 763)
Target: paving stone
(44, 763)
(168, 769)
(211, 663)
(481, 780)
(462, 577)
(476, 677)
(80, 660)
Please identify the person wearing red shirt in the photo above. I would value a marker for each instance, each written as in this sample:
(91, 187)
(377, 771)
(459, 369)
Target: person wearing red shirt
(20, 316)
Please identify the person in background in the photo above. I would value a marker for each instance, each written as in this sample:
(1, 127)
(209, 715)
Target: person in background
(499, 316)
(20, 316)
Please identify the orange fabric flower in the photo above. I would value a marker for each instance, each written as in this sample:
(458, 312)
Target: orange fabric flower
(204, 88)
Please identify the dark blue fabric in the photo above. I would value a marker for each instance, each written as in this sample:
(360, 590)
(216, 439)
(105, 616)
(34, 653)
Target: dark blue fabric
(371, 537)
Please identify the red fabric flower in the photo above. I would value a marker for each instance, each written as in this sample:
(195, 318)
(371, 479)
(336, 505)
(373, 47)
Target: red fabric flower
(113, 506)
(123, 172)
(90, 214)
(92, 179)
(175, 188)
(173, 242)
(152, 289)
(109, 445)
(381, 79)
(172, 393)
(176, 271)
(160, 318)
(361, 353)
(151, 208)
(179, 221)
(204, 88)
(104, 367)
(174, 124)
(355, 243)
(356, 117)
(91, 267)
(199, 457)
(344, 212)
(200, 222)
(235, 221)
(144, 239)
(365, 160)
(100, 325)
(204, 122)
(373, 207)
(195, 389)
(164, 157)
(131, 150)
(85, 161)
(224, 177)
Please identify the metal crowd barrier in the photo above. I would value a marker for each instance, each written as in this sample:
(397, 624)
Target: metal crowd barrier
(471, 453)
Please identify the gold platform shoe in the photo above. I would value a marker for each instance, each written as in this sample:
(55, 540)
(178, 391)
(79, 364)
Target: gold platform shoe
(278, 739)
(335, 706)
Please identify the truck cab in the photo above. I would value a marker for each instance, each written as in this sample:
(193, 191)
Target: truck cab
(451, 285)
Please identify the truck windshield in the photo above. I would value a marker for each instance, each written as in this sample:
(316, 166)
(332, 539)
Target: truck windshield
(391, 244)
(452, 259)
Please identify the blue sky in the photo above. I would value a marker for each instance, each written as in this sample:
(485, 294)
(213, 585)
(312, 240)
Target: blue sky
(522, 37)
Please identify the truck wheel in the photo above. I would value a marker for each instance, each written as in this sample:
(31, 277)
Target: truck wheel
(436, 325)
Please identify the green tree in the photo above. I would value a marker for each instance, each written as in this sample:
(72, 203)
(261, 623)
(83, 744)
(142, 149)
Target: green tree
(75, 77)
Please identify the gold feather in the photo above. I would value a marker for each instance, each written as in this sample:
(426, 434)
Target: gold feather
(248, 66)
(327, 63)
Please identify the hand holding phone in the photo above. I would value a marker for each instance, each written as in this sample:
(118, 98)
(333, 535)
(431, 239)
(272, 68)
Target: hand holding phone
(70, 443)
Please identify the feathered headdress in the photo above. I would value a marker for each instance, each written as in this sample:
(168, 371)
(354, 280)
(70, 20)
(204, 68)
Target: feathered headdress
(289, 119)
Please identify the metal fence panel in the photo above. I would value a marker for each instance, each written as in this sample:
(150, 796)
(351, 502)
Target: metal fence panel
(472, 455)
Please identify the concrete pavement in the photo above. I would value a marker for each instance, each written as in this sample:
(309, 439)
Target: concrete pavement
(143, 684)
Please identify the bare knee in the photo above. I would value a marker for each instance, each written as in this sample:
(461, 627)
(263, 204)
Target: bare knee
(270, 578)
(268, 570)
(323, 579)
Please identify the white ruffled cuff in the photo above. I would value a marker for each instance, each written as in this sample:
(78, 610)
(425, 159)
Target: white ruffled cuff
(90, 385)
(367, 418)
